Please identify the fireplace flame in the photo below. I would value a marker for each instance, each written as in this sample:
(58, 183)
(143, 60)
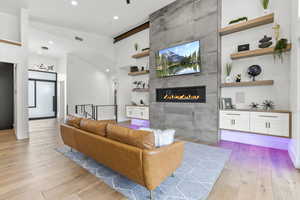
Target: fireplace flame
(181, 97)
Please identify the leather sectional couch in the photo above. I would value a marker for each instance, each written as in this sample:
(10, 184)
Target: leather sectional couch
(129, 152)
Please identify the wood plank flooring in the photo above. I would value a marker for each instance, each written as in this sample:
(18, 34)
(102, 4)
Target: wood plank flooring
(33, 170)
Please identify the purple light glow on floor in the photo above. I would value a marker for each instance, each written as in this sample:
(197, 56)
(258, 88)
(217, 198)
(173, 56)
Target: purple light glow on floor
(255, 139)
(139, 123)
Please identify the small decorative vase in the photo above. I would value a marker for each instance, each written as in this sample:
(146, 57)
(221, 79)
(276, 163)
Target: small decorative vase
(228, 79)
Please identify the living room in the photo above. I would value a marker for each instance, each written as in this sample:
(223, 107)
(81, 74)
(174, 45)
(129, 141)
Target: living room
(169, 99)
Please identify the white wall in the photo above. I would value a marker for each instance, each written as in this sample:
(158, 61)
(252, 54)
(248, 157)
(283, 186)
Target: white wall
(86, 84)
(10, 27)
(18, 55)
(62, 87)
(277, 71)
(124, 50)
(294, 149)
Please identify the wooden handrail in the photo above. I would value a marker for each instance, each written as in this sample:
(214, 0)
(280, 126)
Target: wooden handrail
(10, 42)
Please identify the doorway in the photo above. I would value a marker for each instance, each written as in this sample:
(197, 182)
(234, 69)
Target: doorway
(6, 96)
(42, 95)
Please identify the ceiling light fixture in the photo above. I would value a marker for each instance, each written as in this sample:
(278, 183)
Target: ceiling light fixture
(45, 48)
(116, 17)
(80, 39)
(51, 42)
(74, 3)
(107, 70)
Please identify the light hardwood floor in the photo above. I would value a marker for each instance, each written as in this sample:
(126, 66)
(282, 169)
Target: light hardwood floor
(33, 170)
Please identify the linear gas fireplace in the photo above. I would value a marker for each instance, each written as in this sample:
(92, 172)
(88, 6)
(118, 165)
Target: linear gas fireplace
(182, 94)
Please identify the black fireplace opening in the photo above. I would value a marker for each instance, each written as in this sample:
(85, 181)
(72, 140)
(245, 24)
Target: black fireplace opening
(182, 94)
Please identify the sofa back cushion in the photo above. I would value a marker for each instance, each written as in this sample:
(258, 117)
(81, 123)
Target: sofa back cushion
(95, 127)
(73, 121)
(137, 138)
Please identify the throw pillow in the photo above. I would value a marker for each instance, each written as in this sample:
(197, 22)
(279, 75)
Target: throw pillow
(162, 138)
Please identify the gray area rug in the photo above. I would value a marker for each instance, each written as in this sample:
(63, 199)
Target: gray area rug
(201, 167)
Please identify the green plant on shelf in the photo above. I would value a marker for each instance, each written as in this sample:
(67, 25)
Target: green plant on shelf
(265, 4)
(228, 69)
(280, 47)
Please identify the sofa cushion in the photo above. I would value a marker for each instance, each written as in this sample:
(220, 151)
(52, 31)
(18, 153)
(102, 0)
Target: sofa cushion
(137, 138)
(73, 121)
(95, 127)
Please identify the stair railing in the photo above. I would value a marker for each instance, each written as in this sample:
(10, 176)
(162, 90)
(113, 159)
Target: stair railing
(97, 112)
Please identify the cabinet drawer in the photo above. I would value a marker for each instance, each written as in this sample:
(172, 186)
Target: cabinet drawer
(137, 112)
(234, 114)
(266, 115)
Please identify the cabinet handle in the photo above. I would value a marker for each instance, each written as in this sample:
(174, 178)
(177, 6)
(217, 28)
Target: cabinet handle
(266, 124)
(269, 125)
(268, 116)
(233, 114)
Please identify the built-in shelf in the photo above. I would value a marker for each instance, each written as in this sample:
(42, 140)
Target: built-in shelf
(140, 90)
(257, 52)
(142, 54)
(11, 42)
(248, 84)
(138, 73)
(267, 19)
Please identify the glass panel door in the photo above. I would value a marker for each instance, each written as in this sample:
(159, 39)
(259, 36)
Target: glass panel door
(45, 95)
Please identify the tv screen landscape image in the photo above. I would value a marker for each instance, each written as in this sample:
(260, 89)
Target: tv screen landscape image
(179, 60)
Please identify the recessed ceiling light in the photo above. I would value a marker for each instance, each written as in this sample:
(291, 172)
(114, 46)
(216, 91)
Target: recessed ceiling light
(51, 42)
(107, 70)
(116, 17)
(74, 3)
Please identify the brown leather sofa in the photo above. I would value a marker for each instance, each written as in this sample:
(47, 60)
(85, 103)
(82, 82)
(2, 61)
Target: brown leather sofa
(129, 152)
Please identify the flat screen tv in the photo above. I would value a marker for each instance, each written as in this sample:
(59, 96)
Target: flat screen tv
(179, 60)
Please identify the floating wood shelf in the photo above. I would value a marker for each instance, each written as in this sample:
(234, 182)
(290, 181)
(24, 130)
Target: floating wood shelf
(140, 90)
(11, 42)
(257, 52)
(138, 73)
(267, 19)
(142, 54)
(248, 84)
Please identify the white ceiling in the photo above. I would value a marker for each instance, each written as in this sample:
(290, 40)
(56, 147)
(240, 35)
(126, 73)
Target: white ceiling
(95, 15)
(13, 6)
(90, 16)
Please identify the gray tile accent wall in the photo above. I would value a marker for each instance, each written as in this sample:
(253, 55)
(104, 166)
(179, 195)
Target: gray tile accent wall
(181, 22)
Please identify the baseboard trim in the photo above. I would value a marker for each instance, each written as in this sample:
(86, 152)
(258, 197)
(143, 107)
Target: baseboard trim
(293, 157)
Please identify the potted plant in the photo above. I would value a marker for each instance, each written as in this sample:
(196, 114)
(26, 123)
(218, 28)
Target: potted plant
(265, 4)
(280, 47)
(228, 69)
(268, 105)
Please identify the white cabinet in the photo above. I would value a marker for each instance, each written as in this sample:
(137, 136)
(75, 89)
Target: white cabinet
(137, 112)
(234, 120)
(277, 124)
(268, 123)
